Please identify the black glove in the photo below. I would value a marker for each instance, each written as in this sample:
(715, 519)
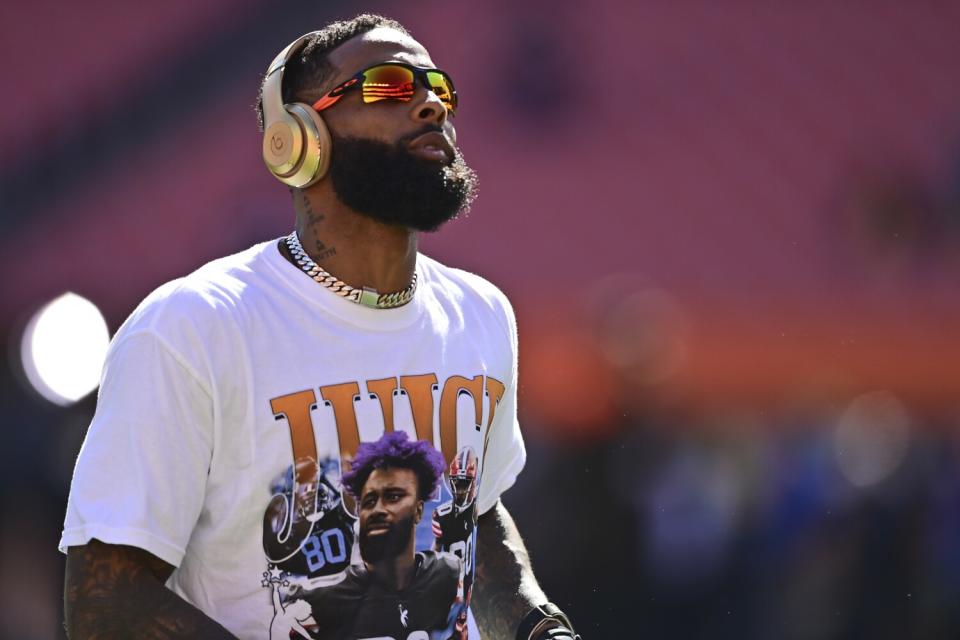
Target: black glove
(549, 615)
(559, 633)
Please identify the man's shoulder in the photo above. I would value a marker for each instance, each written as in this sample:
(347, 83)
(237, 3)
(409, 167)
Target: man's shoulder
(207, 295)
(223, 280)
(355, 581)
(438, 565)
(463, 287)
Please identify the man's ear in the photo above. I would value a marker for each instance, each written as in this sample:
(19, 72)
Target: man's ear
(419, 511)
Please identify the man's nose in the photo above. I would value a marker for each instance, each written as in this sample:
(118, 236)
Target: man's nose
(429, 108)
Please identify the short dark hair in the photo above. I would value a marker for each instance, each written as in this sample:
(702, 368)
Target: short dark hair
(396, 450)
(306, 73)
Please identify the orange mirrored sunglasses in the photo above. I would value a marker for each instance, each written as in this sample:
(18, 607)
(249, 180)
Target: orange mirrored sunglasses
(393, 81)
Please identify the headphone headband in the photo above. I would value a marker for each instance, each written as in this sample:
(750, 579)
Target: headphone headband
(272, 97)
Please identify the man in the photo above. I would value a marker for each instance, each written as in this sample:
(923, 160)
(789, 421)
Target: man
(327, 550)
(395, 592)
(454, 522)
(264, 362)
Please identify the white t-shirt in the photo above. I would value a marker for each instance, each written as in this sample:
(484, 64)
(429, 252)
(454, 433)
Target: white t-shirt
(229, 398)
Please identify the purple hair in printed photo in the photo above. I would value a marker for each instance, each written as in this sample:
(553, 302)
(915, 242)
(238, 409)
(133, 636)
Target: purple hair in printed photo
(396, 450)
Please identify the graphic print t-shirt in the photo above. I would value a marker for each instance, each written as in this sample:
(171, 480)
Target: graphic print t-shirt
(232, 401)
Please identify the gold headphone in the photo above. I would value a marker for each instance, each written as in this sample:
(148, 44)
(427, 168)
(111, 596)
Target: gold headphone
(296, 142)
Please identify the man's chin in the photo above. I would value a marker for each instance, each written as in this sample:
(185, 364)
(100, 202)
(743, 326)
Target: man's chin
(373, 548)
(377, 543)
(393, 186)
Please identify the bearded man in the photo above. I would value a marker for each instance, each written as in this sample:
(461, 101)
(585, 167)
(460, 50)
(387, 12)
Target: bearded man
(265, 364)
(395, 591)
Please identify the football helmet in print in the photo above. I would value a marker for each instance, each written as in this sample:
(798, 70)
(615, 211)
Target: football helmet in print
(463, 478)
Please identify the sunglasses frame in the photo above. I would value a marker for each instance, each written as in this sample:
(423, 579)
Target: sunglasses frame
(356, 81)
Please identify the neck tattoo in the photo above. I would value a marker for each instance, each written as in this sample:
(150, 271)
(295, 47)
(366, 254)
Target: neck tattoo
(365, 295)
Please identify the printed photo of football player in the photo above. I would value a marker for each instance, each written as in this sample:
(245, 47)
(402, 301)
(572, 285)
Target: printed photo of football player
(395, 591)
(454, 522)
(307, 531)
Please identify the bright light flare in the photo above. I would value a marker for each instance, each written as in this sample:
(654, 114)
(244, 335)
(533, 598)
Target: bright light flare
(63, 349)
(872, 438)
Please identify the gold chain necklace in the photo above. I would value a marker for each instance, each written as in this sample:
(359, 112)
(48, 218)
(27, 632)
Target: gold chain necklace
(366, 296)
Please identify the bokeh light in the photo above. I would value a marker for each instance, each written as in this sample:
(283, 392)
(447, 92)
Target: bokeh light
(872, 438)
(63, 349)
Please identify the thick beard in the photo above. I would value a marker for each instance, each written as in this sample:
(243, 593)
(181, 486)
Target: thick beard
(387, 545)
(391, 185)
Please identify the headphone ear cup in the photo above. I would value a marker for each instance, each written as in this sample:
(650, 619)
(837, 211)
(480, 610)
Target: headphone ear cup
(283, 146)
(296, 147)
(316, 145)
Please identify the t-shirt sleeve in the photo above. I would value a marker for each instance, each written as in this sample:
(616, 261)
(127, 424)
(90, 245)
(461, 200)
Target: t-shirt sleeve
(139, 479)
(504, 454)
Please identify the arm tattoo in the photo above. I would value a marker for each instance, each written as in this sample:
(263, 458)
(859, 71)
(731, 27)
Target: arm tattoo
(114, 591)
(505, 588)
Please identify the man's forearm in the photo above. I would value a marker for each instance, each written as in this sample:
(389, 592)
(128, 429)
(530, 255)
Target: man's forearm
(505, 588)
(113, 591)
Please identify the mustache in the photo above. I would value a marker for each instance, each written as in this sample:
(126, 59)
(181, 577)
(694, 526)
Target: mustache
(374, 519)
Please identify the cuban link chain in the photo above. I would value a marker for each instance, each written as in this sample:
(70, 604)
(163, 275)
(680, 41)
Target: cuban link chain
(366, 296)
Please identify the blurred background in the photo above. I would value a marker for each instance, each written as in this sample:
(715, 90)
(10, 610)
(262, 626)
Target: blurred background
(731, 232)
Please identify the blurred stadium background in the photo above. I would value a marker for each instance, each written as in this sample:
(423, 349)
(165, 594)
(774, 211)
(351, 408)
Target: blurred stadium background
(731, 232)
